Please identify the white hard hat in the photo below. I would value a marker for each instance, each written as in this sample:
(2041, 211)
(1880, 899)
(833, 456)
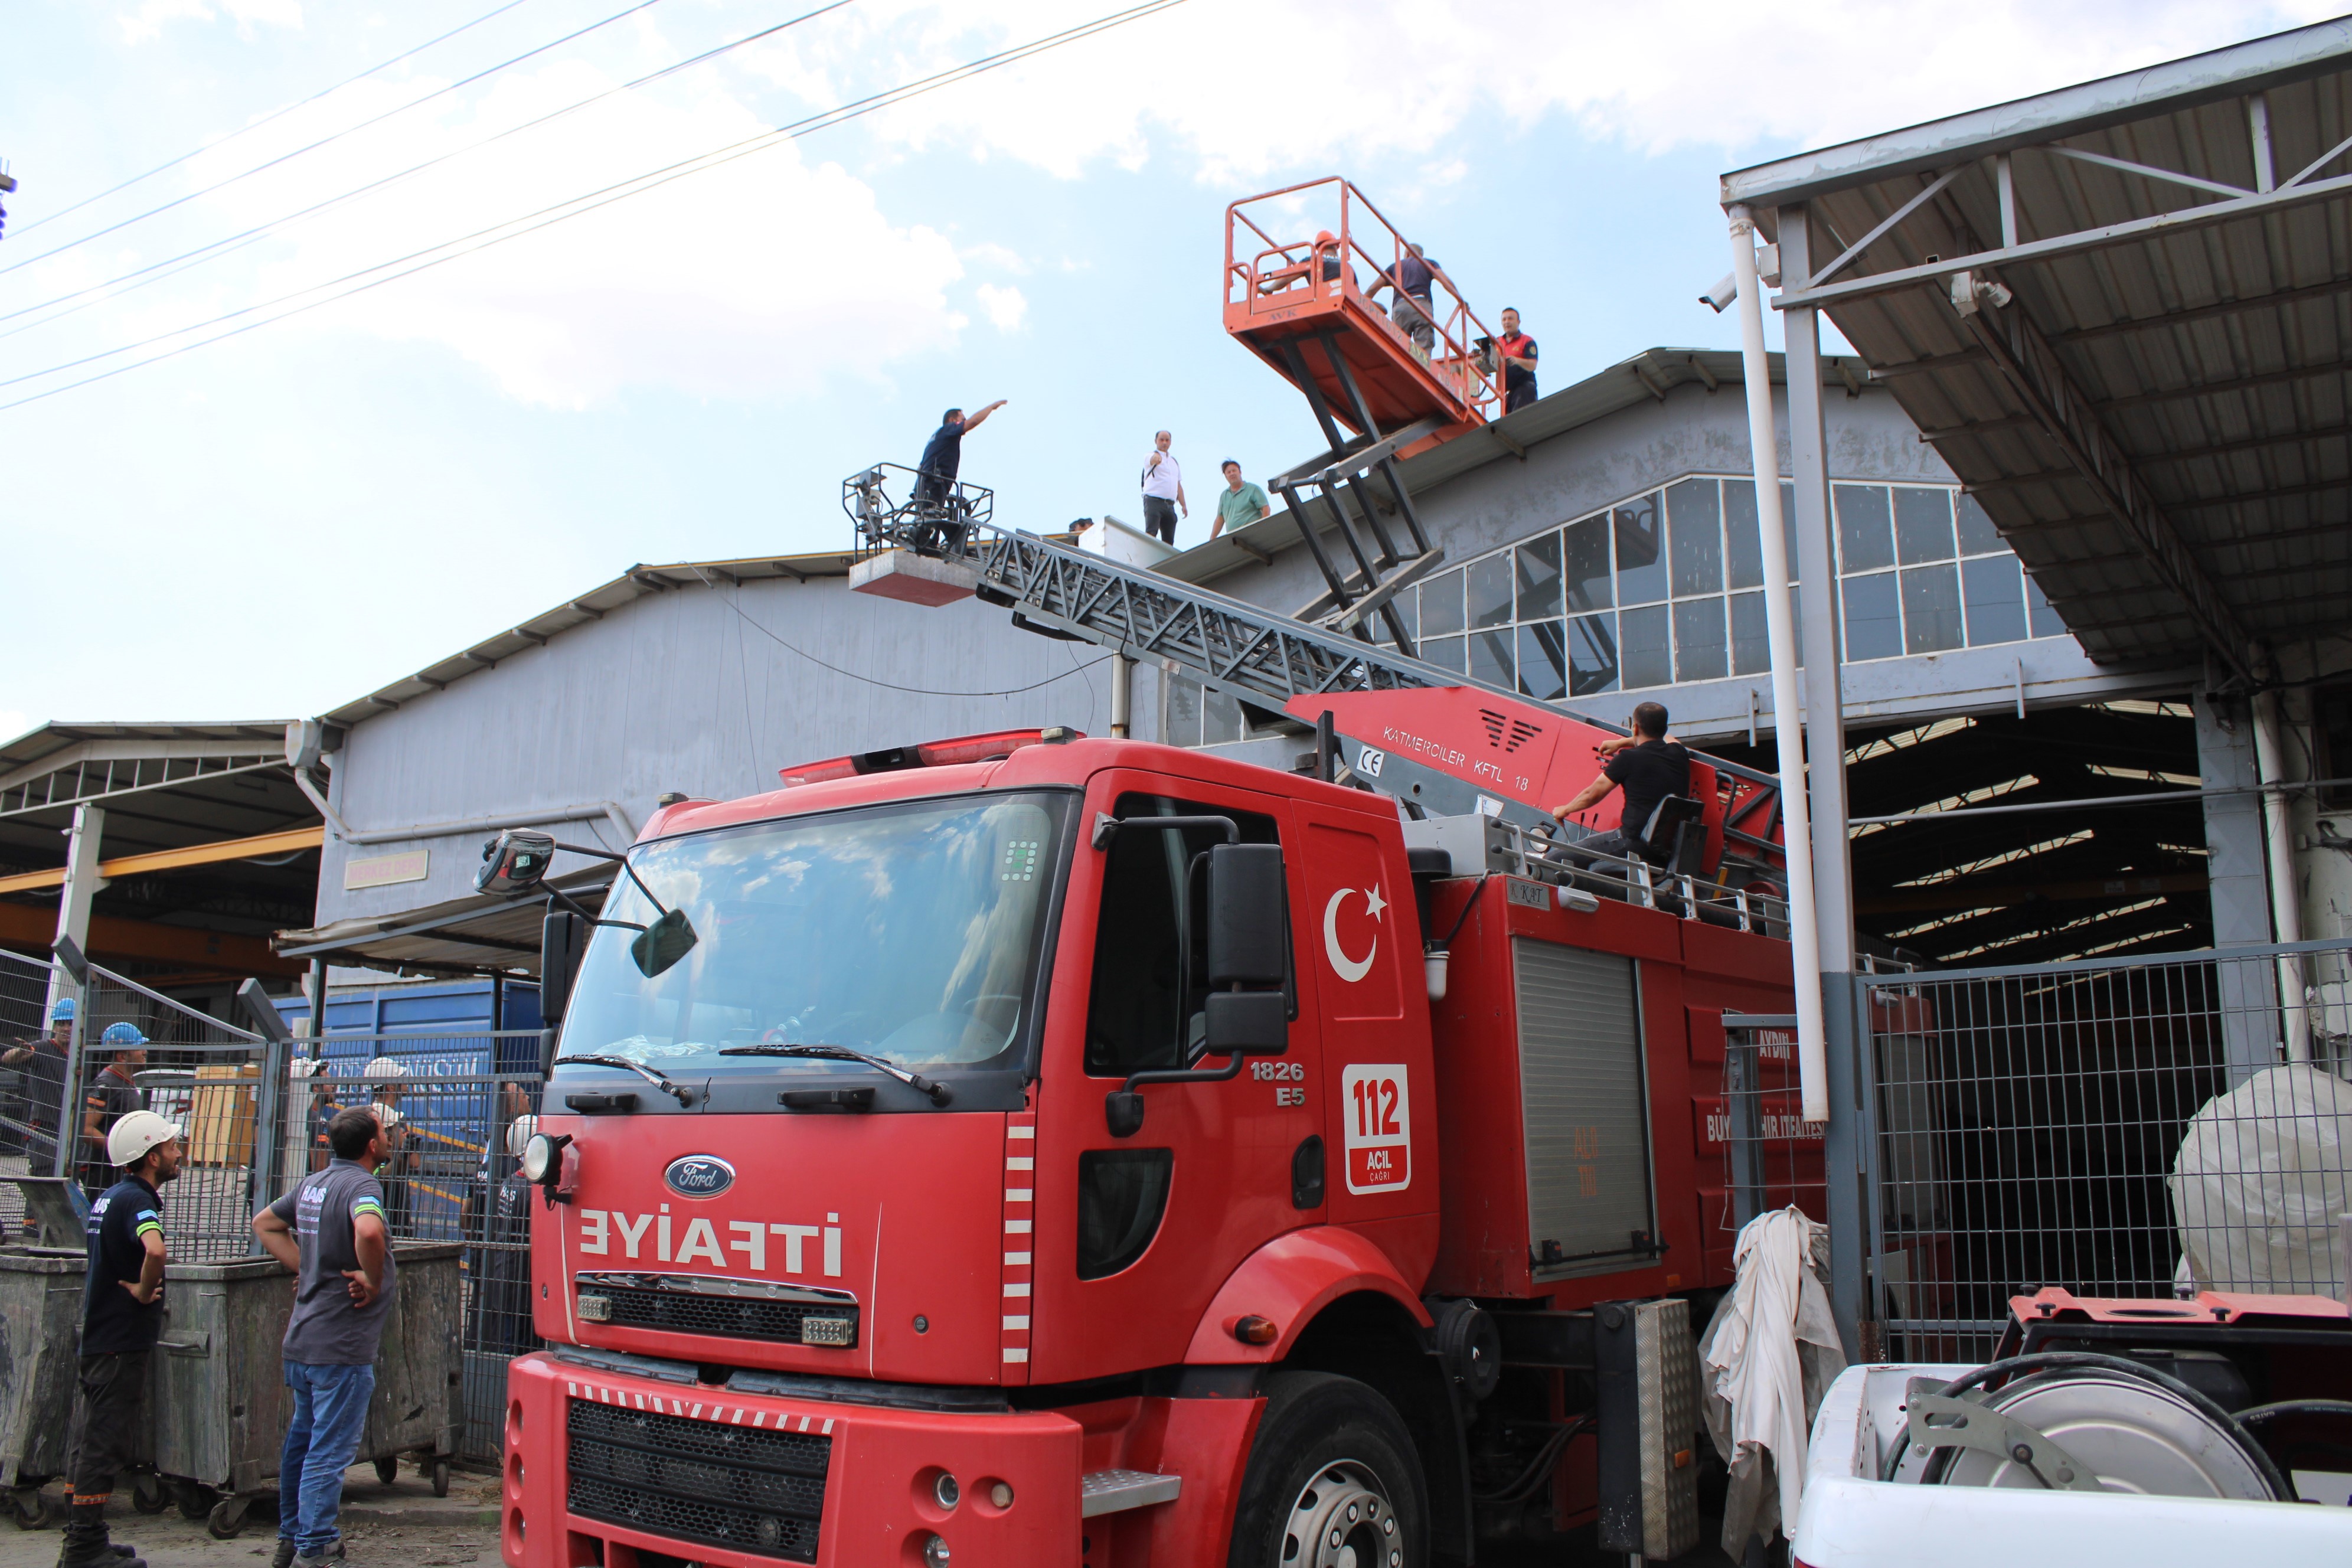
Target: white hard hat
(383, 1068)
(388, 1116)
(129, 1140)
(519, 1133)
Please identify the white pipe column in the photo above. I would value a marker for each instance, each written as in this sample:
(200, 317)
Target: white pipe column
(1780, 630)
(82, 883)
(1122, 696)
(2286, 901)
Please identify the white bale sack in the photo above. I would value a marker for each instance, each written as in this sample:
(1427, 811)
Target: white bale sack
(2260, 1180)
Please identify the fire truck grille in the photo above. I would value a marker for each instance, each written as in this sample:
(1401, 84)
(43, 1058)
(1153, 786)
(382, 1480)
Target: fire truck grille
(750, 1490)
(733, 1318)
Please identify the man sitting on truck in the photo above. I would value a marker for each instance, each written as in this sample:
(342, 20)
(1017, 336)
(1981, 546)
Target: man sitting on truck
(1649, 764)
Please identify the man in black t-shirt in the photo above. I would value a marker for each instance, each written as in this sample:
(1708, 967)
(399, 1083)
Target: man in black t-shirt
(1649, 765)
(113, 1093)
(122, 1316)
(935, 486)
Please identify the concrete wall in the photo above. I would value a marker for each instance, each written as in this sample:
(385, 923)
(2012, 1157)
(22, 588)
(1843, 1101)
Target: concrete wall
(674, 691)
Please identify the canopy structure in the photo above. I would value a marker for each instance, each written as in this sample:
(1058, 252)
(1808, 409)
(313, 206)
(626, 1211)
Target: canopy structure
(2121, 311)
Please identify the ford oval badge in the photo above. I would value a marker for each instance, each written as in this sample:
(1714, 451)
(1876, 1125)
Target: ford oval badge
(700, 1175)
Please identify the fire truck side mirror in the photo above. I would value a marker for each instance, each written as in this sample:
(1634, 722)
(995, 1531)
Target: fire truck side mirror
(1246, 936)
(561, 937)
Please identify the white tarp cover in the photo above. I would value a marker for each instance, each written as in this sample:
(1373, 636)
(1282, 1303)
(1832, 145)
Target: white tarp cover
(2260, 1179)
(1768, 1355)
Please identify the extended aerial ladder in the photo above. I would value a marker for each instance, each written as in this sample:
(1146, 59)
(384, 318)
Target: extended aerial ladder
(1442, 744)
(1300, 303)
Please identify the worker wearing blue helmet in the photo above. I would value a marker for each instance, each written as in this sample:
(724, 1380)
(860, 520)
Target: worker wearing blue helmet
(113, 1093)
(37, 1070)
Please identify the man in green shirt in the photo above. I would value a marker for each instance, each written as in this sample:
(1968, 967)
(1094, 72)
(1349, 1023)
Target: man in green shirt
(1241, 502)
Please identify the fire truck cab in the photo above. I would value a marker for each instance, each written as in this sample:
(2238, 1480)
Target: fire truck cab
(1035, 1150)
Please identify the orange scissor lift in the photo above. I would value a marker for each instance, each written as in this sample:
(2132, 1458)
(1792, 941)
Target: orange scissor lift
(1304, 305)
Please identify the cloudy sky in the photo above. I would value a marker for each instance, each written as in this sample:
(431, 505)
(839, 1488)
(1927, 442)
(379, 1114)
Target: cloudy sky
(367, 406)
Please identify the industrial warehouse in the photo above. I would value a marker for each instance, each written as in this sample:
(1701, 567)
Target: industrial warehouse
(1960, 1035)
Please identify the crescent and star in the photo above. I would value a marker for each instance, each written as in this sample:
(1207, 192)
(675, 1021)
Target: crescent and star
(1350, 969)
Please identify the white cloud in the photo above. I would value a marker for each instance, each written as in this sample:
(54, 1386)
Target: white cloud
(13, 723)
(1006, 306)
(148, 21)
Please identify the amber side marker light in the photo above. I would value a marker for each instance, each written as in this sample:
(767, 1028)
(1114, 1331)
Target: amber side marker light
(1254, 1330)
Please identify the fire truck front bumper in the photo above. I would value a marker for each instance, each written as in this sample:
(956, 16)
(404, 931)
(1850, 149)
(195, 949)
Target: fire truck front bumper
(601, 1464)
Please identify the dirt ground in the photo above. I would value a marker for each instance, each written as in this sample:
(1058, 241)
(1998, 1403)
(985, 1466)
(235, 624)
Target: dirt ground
(401, 1525)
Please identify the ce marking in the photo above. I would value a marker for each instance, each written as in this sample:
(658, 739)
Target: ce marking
(1284, 1075)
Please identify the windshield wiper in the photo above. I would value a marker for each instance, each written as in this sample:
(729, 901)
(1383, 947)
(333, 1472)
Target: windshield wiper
(652, 1075)
(941, 1093)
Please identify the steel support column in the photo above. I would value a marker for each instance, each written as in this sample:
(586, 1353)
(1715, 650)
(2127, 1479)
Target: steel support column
(82, 883)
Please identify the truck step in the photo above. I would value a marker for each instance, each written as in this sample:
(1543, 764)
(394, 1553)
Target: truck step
(1115, 1492)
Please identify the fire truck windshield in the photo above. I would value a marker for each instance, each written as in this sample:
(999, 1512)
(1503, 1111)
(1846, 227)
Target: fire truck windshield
(909, 931)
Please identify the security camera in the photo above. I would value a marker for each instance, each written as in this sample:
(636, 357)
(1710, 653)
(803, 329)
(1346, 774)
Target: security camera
(1719, 297)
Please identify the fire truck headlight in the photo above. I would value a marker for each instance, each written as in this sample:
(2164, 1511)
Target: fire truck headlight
(935, 1552)
(543, 1157)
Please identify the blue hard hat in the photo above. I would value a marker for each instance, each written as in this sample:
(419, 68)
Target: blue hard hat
(63, 1011)
(122, 1035)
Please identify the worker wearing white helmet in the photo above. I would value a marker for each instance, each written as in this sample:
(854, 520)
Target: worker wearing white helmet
(122, 1315)
(383, 1075)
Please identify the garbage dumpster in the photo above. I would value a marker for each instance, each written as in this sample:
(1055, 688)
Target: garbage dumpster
(40, 1320)
(220, 1399)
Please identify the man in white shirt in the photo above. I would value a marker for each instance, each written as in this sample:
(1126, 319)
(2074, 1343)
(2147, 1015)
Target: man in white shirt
(1163, 491)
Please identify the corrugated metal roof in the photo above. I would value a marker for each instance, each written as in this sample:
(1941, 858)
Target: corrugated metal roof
(2208, 348)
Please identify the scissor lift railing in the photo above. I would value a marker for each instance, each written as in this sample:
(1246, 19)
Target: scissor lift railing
(1301, 305)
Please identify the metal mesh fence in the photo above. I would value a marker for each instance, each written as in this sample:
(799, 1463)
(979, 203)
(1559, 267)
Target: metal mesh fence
(31, 1071)
(2131, 1128)
(1776, 1155)
(450, 1104)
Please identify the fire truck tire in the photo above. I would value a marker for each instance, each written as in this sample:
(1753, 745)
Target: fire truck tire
(1333, 1480)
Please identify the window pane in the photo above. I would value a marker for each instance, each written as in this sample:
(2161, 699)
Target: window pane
(1923, 525)
(1644, 657)
(1976, 532)
(1797, 622)
(1444, 651)
(1743, 544)
(1695, 514)
(1874, 626)
(1440, 605)
(1543, 661)
(1996, 613)
(1220, 718)
(1931, 609)
(1865, 535)
(1588, 564)
(1538, 567)
(1490, 657)
(1699, 653)
(1641, 553)
(1751, 646)
(1789, 528)
(1184, 709)
(1404, 603)
(2045, 620)
(1592, 655)
(1489, 583)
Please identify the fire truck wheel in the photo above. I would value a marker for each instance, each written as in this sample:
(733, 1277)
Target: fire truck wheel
(1331, 1483)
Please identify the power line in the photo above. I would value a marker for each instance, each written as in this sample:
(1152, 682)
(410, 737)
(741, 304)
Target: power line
(574, 206)
(153, 272)
(347, 131)
(265, 119)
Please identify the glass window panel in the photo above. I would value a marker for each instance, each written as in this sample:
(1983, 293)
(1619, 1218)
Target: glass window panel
(1931, 608)
(1976, 532)
(1404, 603)
(1644, 657)
(1996, 612)
(1543, 660)
(1640, 553)
(1183, 710)
(1866, 528)
(1592, 655)
(2045, 621)
(1539, 568)
(1440, 605)
(1490, 657)
(1489, 582)
(1788, 527)
(1695, 521)
(1743, 543)
(1923, 525)
(1751, 646)
(1588, 564)
(1445, 651)
(1220, 718)
(1874, 622)
(1699, 652)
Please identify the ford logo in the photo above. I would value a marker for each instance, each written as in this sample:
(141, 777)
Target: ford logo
(700, 1175)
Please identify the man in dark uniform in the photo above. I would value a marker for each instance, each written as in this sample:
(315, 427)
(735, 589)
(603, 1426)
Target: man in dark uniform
(113, 1094)
(41, 1067)
(934, 489)
(122, 1315)
(1650, 764)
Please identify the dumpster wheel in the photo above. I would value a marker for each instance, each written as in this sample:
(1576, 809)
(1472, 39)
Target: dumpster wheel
(147, 1493)
(226, 1520)
(31, 1510)
(195, 1500)
(441, 1475)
